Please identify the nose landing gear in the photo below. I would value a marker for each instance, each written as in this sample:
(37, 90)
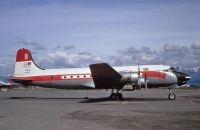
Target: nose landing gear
(171, 95)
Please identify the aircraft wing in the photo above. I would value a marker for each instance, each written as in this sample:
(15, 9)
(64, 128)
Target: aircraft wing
(105, 77)
(3, 83)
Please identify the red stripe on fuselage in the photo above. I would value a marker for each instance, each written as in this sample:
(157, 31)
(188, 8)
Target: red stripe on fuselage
(156, 74)
(147, 74)
(55, 77)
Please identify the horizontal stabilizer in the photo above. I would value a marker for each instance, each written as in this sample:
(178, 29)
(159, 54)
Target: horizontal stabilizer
(22, 81)
(105, 77)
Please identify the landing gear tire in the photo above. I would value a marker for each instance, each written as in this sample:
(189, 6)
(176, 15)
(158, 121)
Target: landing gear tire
(113, 96)
(171, 96)
(120, 96)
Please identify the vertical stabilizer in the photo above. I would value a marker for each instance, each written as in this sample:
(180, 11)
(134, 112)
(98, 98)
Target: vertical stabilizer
(25, 65)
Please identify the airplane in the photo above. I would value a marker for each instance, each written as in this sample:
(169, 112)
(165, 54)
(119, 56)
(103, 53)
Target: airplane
(5, 86)
(97, 76)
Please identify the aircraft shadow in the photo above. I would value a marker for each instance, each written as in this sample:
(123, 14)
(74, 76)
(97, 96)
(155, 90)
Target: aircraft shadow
(95, 100)
(46, 98)
(90, 100)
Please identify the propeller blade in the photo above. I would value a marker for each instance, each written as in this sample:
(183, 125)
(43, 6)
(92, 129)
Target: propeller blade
(146, 85)
(139, 82)
(145, 79)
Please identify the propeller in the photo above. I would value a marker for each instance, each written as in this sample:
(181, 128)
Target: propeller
(145, 79)
(142, 80)
(139, 82)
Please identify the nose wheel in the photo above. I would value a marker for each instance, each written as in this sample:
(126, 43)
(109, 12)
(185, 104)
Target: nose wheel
(171, 95)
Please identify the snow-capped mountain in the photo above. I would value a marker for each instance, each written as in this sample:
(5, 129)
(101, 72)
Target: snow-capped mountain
(194, 73)
(195, 69)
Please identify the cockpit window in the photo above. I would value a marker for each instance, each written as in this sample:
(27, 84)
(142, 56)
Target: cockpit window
(168, 70)
(171, 69)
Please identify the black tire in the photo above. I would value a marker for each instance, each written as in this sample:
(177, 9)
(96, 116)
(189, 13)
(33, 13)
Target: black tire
(113, 96)
(120, 96)
(171, 96)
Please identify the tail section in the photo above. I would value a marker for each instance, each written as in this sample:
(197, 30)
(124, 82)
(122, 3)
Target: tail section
(25, 65)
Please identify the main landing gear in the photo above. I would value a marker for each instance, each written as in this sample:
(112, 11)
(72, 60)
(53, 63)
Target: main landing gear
(171, 95)
(115, 96)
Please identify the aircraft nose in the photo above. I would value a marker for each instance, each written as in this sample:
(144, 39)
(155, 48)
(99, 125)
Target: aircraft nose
(182, 78)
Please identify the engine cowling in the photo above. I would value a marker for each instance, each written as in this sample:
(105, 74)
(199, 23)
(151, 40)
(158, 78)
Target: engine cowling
(129, 77)
(132, 79)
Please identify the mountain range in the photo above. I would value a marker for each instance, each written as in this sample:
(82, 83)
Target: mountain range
(194, 73)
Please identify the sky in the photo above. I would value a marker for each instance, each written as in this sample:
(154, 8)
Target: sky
(76, 33)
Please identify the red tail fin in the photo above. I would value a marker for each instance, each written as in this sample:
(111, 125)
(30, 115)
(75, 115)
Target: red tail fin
(23, 55)
(25, 66)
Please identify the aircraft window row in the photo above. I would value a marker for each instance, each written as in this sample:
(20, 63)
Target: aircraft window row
(76, 76)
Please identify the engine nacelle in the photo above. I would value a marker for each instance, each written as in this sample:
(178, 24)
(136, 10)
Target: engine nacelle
(129, 77)
(133, 80)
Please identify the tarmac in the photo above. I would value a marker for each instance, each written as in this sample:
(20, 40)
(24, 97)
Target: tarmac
(92, 110)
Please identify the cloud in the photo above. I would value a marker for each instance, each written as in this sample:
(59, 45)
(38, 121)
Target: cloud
(195, 45)
(30, 43)
(6, 68)
(58, 46)
(168, 47)
(132, 55)
(66, 48)
(62, 59)
(69, 47)
(85, 53)
(169, 54)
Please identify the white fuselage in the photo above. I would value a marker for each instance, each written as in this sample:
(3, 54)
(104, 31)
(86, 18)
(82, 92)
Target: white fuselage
(81, 78)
